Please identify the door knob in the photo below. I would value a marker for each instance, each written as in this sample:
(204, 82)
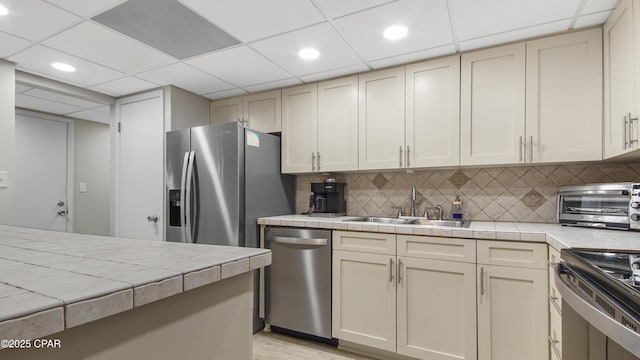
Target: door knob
(62, 212)
(153, 218)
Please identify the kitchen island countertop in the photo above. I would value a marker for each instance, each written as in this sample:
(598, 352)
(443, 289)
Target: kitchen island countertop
(556, 235)
(51, 281)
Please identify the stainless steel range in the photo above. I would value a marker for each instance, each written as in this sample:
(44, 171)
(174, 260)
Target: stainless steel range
(601, 290)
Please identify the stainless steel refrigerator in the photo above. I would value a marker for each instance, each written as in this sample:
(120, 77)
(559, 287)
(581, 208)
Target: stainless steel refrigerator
(220, 179)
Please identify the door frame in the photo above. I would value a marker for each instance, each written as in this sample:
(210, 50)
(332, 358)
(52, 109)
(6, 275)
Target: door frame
(115, 155)
(70, 157)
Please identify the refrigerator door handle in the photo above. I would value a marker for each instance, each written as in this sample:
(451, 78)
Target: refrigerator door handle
(183, 180)
(189, 182)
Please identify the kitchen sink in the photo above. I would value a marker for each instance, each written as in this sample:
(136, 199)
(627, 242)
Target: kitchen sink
(449, 223)
(384, 220)
(412, 221)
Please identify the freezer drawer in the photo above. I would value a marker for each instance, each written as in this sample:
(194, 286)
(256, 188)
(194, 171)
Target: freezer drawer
(298, 282)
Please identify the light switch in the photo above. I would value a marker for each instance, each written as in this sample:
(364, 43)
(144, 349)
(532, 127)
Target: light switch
(4, 179)
(83, 187)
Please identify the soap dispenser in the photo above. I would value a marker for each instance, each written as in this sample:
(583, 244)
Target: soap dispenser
(456, 208)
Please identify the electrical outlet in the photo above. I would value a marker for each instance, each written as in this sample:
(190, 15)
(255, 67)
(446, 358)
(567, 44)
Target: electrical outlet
(4, 179)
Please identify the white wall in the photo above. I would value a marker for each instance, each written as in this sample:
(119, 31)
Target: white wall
(7, 137)
(91, 166)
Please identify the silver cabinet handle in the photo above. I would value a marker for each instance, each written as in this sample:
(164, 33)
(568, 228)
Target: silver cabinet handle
(554, 302)
(399, 271)
(153, 218)
(481, 281)
(297, 241)
(520, 148)
(631, 121)
(318, 161)
(400, 155)
(391, 270)
(554, 346)
(408, 156)
(625, 123)
(531, 148)
(313, 161)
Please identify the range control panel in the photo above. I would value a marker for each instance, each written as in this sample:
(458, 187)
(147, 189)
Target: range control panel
(634, 207)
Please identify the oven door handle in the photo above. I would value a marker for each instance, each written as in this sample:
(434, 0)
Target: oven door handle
(617, 332)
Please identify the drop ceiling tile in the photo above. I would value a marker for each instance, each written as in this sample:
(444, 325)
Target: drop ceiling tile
(225, 94)
(34, 103)
(335, 8)
(65, 99)
(594, 6)
(273, 85)
(125, 86)
(348, 70)
(91, 115)
(34, 19)
(516, 35)
(11, 44)
(22, 88)
(472, 19)
(249, 20)
(283, 50)
(592, 19)
(39, 59)
(185, 77)
(109, 48)
(240, 66)
(415, 56)
(86, 8)
(428, 24)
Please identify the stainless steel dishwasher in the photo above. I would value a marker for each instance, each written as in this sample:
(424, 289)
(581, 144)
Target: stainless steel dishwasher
(298, 282)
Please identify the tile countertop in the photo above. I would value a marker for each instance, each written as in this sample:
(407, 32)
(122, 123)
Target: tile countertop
(554, 234)
(51, 281)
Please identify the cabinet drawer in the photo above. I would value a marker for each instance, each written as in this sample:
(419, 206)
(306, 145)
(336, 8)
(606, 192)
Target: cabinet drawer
(555, 330)
(516, 254)
(377, 243)
(438, 248)
(555, 299)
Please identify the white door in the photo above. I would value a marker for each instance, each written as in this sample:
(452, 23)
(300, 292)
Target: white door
(41, 172)
(140, 167)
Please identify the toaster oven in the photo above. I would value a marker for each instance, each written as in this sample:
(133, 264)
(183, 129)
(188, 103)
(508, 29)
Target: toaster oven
(608, 205)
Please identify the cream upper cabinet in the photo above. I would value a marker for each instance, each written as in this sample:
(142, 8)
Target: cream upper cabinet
(260, 112)
(513, 320)
(432, 113)
(299, 127)
(622, 79)
(492, 107)
(564, 98)
(227, 110)
(381, 119)
(337, 130)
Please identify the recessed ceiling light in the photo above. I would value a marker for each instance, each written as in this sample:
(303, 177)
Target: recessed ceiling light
(63, 67)
(308, 53)
(3, 10)
(395, 32)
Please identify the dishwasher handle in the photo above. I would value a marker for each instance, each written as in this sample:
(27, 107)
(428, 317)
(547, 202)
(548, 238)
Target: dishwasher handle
(298, 241)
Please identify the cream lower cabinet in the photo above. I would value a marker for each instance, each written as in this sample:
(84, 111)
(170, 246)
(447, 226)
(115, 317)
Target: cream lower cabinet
(512, 301)
(555, 308)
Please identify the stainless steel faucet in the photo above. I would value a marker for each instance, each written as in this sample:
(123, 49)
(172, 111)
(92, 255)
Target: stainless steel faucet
(413, 201)
(438, 207)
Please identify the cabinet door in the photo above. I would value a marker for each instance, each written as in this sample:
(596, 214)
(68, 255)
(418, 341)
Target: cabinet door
(436, 309)
(262, 112)
(492, 106)
(381, 119)
(620, 87)
(364, 299)
(299, 128)
(564, 98)
(433, 113)
(512, 313)
(227, 110)
(338, 124)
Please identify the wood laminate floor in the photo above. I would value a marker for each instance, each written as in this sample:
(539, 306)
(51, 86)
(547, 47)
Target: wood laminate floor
(272, 346)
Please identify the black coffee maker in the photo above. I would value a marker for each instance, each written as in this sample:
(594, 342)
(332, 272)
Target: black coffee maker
(328, 199)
